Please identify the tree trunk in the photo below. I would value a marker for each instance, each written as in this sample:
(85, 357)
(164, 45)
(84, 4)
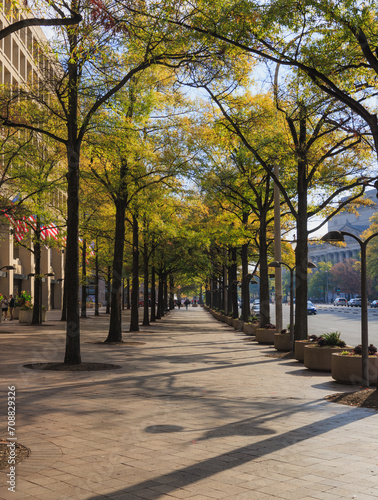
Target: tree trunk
(160, 306)
(84, 280)
(245, 283)
(301, 251)
(134, 320)
(128, 301)
(234, 283)
(165, 294)
(72, 354)
(97, 312)
(264, 273)
(301, 259)
(64, 300)
(212, 286)
(229, 285)
(37, 278)
(146, 321)
(153, 294)
(115, 324)
(109, 278)
(171, 292)
(225, 287)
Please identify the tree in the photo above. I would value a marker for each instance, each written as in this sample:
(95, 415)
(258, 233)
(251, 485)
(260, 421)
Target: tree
(58, 7)
(319, 155)
(371, 250)
(38, 175)
(334, 46)
(94, 66)
(136, 157)
(321, 282)
(347, 276)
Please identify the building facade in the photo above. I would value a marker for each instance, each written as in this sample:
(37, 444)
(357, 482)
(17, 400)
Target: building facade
(345, 221)
(20, 63)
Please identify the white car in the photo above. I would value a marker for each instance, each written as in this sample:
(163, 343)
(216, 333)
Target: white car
(256, 307)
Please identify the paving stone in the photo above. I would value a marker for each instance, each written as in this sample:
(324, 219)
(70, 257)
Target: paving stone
(195, 413)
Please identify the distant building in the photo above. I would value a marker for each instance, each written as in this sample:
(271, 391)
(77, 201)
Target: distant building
(345, 221)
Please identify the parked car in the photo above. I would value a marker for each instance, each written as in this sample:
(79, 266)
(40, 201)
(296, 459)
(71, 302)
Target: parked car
(340, 301)
(374, 303)
(356, 302)
(256, 307)
(311, 309)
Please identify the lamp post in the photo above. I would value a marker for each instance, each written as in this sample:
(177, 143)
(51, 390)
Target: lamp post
(278, 264)
(338, 236)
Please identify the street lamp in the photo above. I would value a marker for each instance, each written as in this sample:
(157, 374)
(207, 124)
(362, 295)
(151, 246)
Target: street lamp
(338, 236)
(7, 268)
(276, 263)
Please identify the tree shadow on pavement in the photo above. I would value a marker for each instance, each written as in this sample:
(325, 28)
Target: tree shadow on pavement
(207, 468)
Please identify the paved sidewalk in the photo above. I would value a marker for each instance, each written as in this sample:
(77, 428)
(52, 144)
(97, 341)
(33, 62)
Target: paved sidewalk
(197, 411)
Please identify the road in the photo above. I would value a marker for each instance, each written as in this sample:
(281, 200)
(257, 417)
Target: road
(346, 320)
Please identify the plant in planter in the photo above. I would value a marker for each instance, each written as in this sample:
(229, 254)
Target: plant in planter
(24, 301)
(319, 356)
(26, 307)
(347, 365)
(331, 339)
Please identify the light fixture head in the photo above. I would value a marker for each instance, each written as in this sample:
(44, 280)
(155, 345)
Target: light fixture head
(333, 236)
(275, 263)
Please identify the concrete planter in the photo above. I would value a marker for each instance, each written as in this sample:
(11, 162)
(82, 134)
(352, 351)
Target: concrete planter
(265, 335)
(348, 369)
(282, 341)
(299, 346)
(16, 312)
(222, 318)
(238, 324)
(216, 315)
(320, 358)
(250, 328)
(25, 316)
(229, 321)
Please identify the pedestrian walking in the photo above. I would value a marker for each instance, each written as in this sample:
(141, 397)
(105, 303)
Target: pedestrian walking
(4, 307)
(187, 302)
(12, 303)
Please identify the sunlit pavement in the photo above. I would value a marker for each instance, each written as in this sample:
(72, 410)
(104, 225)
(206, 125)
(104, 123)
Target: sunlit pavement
(196, 411)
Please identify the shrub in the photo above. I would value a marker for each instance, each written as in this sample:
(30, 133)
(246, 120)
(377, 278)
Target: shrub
(24, 300)
(313, 338)
(372, 350)
(253, 319)
(331, 339)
